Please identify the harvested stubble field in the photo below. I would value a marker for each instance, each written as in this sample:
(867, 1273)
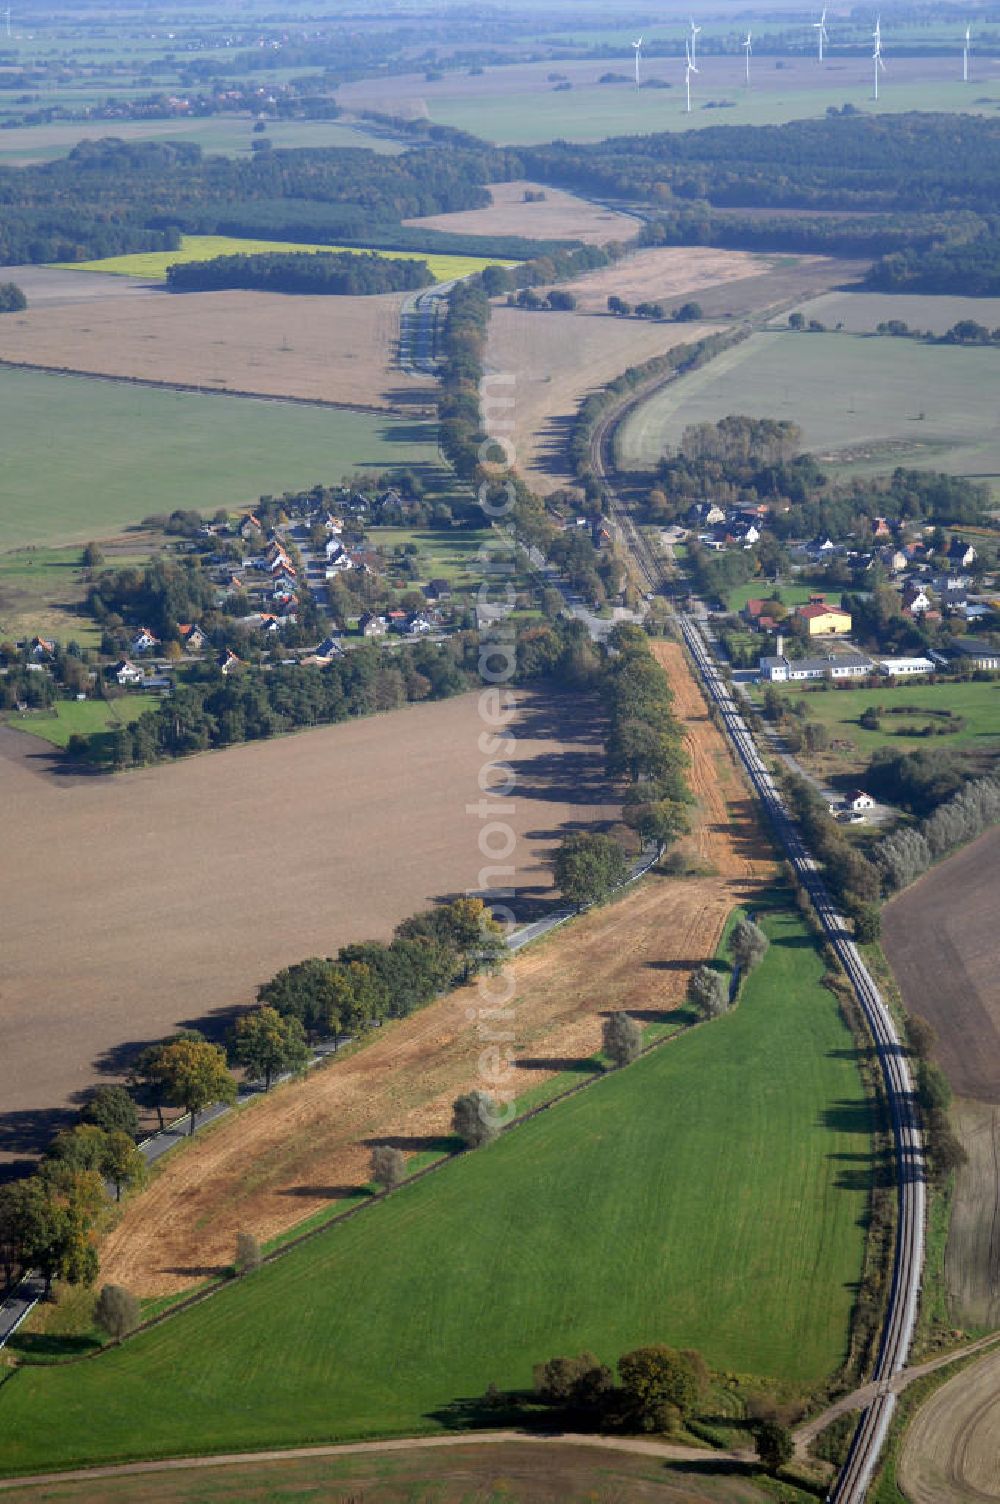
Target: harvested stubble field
(558, 216)
(556, 360)
(339, 350)
(307, 1146)
(950, 1454)
(665, 274)
(544, 1470)
(136, 903)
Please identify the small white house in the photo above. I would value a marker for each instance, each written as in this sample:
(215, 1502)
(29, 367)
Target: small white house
(144, 641)
(859, 801)
(125, 672)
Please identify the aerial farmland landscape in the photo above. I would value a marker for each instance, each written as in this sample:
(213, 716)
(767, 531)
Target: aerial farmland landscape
(499, 753)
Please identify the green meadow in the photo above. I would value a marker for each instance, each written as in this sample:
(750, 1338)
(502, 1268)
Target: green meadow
(864, 404)
(84, 458)
(712, 1195)
(977, 704)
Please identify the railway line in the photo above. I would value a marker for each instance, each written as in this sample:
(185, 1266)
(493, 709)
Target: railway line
(854, 1479)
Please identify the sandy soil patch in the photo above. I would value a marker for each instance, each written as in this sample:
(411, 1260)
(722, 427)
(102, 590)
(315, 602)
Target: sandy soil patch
(664, 274)
(950, 1453)
(307, 1146)
(136, 903)
(556, 359)
(332, 349)
(940, 939)
(559, 216)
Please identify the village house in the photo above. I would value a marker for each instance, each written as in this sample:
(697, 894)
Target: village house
(144, 641)
(192, 637)
(916, 601)
(977, 652)
(125, 672)
(372, 625)
(859, 800)
(757, 614)
(961, 553)
(227, 662)
(41, 650)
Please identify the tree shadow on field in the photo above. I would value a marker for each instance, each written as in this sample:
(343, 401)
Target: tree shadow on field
(328, 1192)
(575, 1064)
(428, 1143)
(847, 1117)
(673, 965)
(27, 1133)
(195, 1271)
(863, 1172)
(517, 1407)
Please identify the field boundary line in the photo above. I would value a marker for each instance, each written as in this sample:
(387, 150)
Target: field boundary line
(668, 1451)
(208, 391)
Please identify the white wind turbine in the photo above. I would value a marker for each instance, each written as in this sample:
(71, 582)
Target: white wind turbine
(694, 46)
(689, 68)
(819, 27)
(637, 44)
(965, 54)
(877, 55)
(748, 50)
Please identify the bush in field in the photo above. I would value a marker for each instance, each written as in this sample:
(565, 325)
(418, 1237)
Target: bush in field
(474, 1119)
(622, 1039)
(388, 1166)
(708, 992)
(748, 945)
(117, 1311)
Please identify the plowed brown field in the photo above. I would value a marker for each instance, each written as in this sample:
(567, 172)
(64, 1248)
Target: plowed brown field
(164, 896)
(950, 1453)
(339, 350)
(305, 1147)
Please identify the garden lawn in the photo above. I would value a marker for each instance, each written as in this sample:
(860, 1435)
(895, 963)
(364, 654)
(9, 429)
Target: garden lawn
(791, 594)
(84, 457)
(699, 1197)
(977, 703)
(81, 717)
(447, 554)
(154, 264)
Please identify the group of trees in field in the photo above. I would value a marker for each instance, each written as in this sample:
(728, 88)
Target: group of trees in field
(48, 1221)
(934, 1095)
(707, 990)
(369, 982)
(343, 273)
(906, 853)
(645, 744)
(685, 313)
(212, 710)
(656, 1389)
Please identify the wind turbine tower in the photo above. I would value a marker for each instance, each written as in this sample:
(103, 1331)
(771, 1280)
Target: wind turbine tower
(6, 16)
(689, 68)
(965, 53)
(694, 46)
(877, 55)
(637, 44)
(820, 29)
(748, 50)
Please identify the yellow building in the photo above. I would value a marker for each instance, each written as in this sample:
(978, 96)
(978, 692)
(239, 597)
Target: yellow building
(825, 621)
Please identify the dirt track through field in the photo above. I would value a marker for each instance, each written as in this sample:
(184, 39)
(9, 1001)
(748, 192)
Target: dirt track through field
(950, 1453)
(137, 903)
(307, 1147)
